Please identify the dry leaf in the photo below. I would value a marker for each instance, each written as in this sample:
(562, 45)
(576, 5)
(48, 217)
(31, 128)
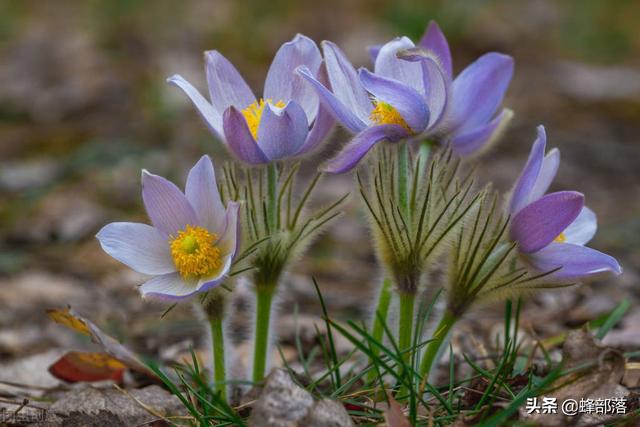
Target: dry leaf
(394, 416)
(76, 366)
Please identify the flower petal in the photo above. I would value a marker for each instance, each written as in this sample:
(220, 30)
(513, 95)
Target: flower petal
(337, 108)
(344, 81)
(525, 184)
(483, 137)
(478, 90)
(282, 131)
(217, 277)
(360, 145)
(540, 222)
(390, 66)
(202, 192)
(139, 246)
(319, 130)
(212, 118)
(226, 85)
(583, 228)
(167, 207)
(168, 287)
(373, 51)
(550, 165)
(435, 41)
(409, 103)
(577, 261)
(239, 138)
(229, 239)
(283, 84)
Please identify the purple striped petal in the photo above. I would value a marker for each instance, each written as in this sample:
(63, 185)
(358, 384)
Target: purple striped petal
(226, 85)
(139, 246)
(390, 66)
(168, 287)
(202, 193)
(239, 138)
(360, 145)
(525, 184)
(479, 89)
(167, 207)
(319, 130)
(435, 41)
(229, 237)
(282, 131)
(409, 103)
(344, 81)
(212, 118)
(539, 223)
(337, 108)
(207, 283)
(583, 228)
(550, 165)
(283, 84)
(577, 261)
(483, 137)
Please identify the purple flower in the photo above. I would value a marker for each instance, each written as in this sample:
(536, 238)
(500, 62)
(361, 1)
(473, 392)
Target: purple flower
(288, 121)
(193, 239)
(411, 94)
(551, 230)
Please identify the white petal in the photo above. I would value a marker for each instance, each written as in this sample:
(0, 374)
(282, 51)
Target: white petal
(583, 228)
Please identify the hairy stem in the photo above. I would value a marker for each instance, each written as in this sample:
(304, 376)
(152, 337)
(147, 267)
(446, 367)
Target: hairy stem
(423, 154)
(432, 349)
(380, 316)
(217, 340)
(272, 194)
(405, 324)
(264, 297)
(403, 179)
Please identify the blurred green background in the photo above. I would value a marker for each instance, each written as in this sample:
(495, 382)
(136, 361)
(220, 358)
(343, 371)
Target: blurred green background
(84, 106)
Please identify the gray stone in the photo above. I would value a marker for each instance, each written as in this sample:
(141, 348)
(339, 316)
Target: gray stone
(327, 413)
(282, 403)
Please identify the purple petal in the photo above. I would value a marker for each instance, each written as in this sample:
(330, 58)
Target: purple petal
(437, 85)
(409, 103)
(226, 85)
(360, 145)
(576, 261)
(344, 81)
(550, 165)
(583, 228)
(525, 184)
(282, 131)
(202, 192)
(229, 238)
(167, 207)
(539, 223)
(215, 279)
(373, 52)
(168, 287)
(389, 65)
(337, 108)
(319, 130)
(283, 84)
(239, 138)
(435, 41)
(211, 117)
(478, 139)
(478, 90)
(139, 246)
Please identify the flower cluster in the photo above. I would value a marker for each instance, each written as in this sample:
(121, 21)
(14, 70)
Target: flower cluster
(419, 205)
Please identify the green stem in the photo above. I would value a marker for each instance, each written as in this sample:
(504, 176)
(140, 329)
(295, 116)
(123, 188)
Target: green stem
(382, 310)
(439, 335)
(272, 194)
(405, 325)
(403, 178)
(217, 339)
(261, 349)
(423, 153)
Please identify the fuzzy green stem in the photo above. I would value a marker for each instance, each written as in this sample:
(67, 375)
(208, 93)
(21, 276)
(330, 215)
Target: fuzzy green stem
(432, 349)
(272, 194)
(405, 325)
(403, 179)
(264, 297)
(217, 340)
(382, 310)
(423, 154)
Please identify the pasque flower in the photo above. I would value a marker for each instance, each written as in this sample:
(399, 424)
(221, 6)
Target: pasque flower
(551, 230)
(411, 93)
(191, 243)
(288, 121)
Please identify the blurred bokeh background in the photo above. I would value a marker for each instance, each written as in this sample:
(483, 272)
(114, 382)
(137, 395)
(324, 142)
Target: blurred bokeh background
(84, 106)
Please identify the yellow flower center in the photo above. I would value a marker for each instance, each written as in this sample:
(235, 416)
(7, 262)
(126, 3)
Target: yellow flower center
(385, 114)
(561, 238)
(194, 252)
(253, 114)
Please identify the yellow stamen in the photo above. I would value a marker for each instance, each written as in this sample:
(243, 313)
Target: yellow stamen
(561, 238)
(253, 114)
(385, 114)
(194, 252)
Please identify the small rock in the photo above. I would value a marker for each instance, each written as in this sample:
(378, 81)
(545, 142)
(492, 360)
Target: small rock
(31, 373)
(20, 176)
(327, 413)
